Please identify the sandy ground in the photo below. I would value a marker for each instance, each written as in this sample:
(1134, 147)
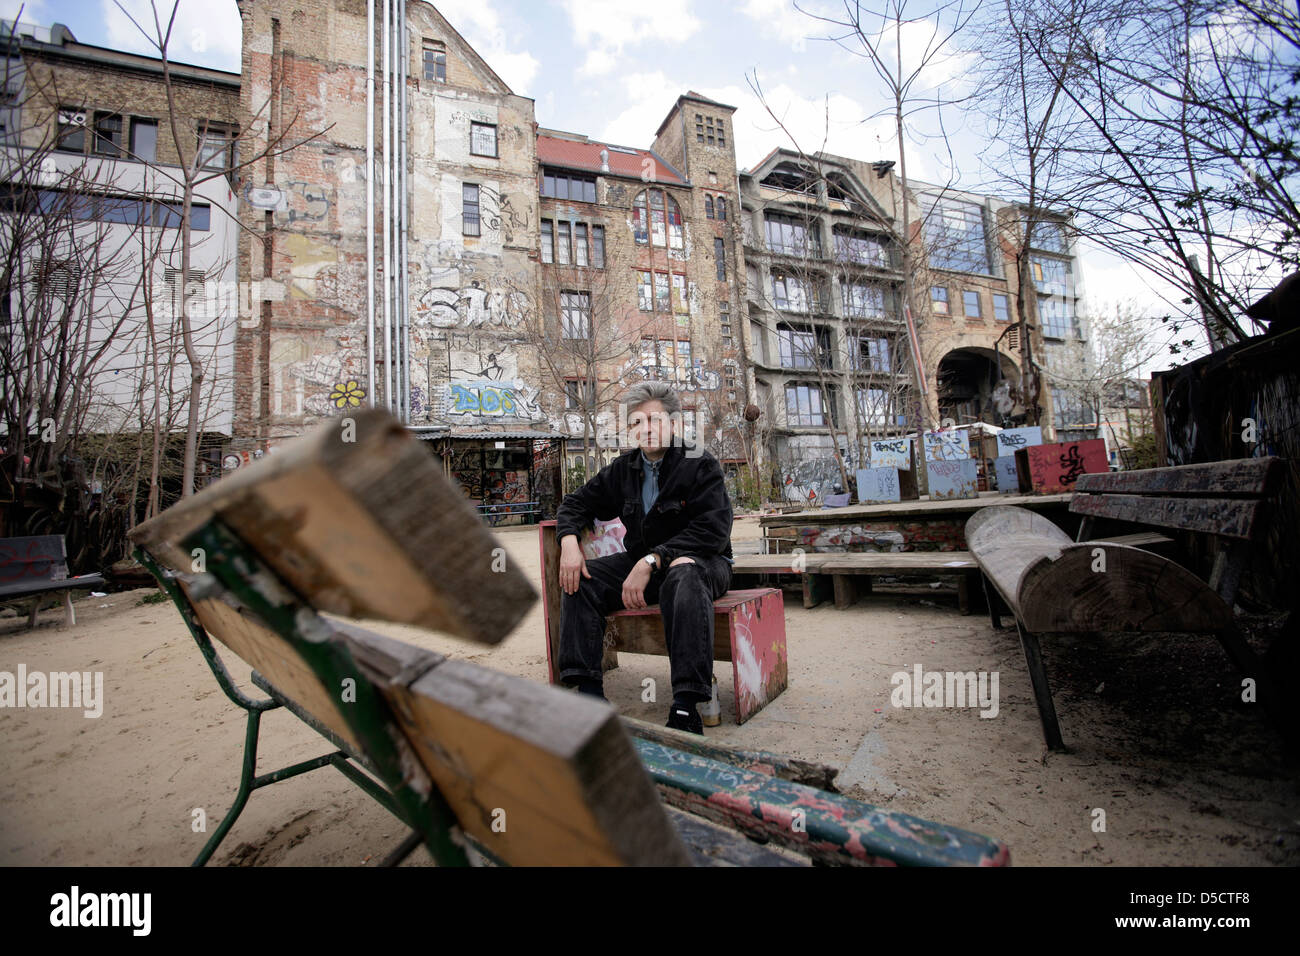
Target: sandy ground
(1184, 773)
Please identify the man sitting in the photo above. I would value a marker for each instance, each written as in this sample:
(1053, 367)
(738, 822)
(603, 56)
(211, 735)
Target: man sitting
(675, 507)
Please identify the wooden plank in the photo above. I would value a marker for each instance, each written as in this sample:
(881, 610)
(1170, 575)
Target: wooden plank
(554, 771)
(1229, 517)
(786, 525)
(777, 563)
(712, 845)
(1140, 539)
(899, 562)
(817, 775)
(550, 556)
(845, 595)
(831, 829)
(816, 589)
(1221, 479)
(360, 521)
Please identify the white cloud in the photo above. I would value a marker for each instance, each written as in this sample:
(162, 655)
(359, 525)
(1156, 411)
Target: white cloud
(206, 34)
(780, 18)
(480, 24)
(606, 27)
(33, 11)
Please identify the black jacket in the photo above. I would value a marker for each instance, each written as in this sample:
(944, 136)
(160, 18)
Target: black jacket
(691, 516)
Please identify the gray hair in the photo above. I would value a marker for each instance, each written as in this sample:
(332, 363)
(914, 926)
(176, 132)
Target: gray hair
(660, 392)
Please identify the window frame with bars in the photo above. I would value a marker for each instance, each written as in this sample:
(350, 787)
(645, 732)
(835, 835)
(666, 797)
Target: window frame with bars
(466, 217)
(575, 314)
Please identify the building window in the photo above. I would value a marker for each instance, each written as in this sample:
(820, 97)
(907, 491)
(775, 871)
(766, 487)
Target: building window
(548, 241)
(954, 235)
(598, 246)
(666, 360)
(72, 130)
(645, 292)
(722, 136)
(144, 139)
(1000, 311)
(804, 347)
(790, 293)
(790, 236)
(720, 204)
(729, 376)
(970, 304)
(870, 354)
(657, 219)
(939, 299)
(873, 407)
(575, 309)
(214, 147)
(570, 186)
(470, 209)
(580, 252)
(804, 406)
(562, 246)
(1048, 235)
(860, 248)
(483, 139)
(724, 325)
(579, 393)
(699, 128)
(708, 207)
(679, 293)
(720, 254)
(108, 134)
(435, 61)
(862, 300)
(662, 301)
(1052, 276)
(1057, 317)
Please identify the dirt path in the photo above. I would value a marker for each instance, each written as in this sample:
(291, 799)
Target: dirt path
(1184, 772)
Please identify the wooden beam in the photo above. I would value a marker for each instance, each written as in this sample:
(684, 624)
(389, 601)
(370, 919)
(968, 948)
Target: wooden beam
(1221, 479)
(1229, 517)
(360, 521)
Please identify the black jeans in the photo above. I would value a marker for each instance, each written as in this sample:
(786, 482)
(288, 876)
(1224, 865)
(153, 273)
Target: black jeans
(685, 595)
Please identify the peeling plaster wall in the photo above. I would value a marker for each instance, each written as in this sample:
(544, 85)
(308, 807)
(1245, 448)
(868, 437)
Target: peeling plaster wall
(304, 349)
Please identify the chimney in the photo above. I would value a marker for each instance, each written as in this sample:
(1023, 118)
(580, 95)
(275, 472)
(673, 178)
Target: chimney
(604, 160)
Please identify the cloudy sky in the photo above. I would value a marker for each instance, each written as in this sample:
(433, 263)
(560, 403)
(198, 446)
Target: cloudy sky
(612, 69)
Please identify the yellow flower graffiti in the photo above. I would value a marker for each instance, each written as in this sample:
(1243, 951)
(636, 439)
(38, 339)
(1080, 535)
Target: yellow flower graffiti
(349, 393)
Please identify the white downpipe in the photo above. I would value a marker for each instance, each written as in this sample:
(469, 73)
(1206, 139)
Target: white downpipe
(388, 162)
(404, 297)
(370, 202)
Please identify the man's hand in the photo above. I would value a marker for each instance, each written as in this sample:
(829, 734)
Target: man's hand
(572, 563)
(634, 586)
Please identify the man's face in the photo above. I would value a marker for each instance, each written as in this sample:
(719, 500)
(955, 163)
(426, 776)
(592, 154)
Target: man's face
(650, 426)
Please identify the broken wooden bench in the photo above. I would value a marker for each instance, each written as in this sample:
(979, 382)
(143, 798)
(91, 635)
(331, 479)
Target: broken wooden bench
(748, 632)
(37, 567)
(848, 575)
(1054, 585)
(483, 767)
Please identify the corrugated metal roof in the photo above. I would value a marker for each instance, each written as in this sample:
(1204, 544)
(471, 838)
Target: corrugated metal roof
(623, 161)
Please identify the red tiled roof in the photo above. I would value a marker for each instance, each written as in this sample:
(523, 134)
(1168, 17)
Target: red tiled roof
(566, 153)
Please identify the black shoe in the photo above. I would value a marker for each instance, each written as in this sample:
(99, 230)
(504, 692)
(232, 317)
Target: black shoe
(593, 689)
(685, 718)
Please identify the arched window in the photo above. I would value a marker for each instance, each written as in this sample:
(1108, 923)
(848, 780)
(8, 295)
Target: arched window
(657, 219)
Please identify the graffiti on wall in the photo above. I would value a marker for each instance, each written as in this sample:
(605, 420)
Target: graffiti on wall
(488, 398)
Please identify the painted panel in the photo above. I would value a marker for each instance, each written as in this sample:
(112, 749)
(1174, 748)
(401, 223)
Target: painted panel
(758, 652)
(1010, 440)
(1005, 469)
(878, 485)
(953, 479)
(892, 453)
(946, 445)
(1053, 469)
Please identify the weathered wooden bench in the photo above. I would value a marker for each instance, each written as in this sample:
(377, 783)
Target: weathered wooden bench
(483, 767)
(37, 567)
(848, 576)
(1053, 584)
(748, 632)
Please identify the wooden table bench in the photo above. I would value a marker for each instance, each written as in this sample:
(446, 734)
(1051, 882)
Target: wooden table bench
(483, 767)
(1052, 584)
(848, 575)
(748, 632)
(37, 567)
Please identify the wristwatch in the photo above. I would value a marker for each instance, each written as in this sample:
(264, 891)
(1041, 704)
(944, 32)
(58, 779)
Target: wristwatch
(652, 559)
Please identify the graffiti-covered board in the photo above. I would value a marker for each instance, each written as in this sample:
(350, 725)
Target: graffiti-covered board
(957, 478)
(946, 445)
(487, 398)
(892, 453)
(605, 538)
(878, 486)
(1053, 469)
(1005, 469)
(1011, 440)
